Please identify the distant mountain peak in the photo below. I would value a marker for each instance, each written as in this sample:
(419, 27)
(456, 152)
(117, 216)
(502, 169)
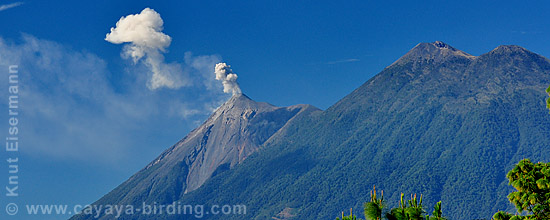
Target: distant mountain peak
(239, 103)
(233, 132)
(437, 47)
(240, 96)
(437, 52)
(237, 98)
(441, 122)
(440, 44)
(509, 49)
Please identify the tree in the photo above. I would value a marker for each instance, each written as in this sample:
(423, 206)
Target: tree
(373, 209)
(500, 215)
(548, 100)
(349, 217)
(407, 210)
(532, 182)
(399, 212)
(413, 211)
(437, 213)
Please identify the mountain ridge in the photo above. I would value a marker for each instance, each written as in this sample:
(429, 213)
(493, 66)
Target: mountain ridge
(414, 110)
(437, 52)
(443, 124)
(235, 113)
(234, 131)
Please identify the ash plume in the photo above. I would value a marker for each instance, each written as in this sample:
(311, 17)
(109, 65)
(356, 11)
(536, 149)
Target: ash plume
(229, 79)
(143, 33)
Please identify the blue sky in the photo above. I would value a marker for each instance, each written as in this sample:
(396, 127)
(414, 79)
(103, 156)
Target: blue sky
(89, 121)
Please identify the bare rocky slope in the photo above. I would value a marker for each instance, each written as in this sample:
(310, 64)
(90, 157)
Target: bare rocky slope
(232, 133)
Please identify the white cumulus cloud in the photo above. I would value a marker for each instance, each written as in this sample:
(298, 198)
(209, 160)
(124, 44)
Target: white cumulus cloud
(74, 109)
(143, 33)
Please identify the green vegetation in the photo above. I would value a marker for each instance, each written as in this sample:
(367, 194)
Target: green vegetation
(349, 217)
(374, 208)
(446, 130)
(533, 191)
(532, 182)
(407, 210)
(532, 198)
(412, 212)
(437, 137)
(438, 214)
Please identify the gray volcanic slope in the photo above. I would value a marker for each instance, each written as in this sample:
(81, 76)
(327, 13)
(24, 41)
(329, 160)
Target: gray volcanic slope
(233, 132)
(437, 122)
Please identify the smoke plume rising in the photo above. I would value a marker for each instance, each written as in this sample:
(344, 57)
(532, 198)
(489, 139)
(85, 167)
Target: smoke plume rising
(228, 78)
(144, 34)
